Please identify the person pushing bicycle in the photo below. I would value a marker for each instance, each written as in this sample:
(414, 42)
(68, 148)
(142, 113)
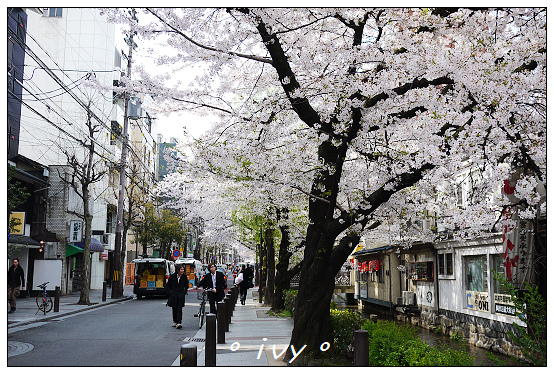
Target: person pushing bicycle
(216, 281)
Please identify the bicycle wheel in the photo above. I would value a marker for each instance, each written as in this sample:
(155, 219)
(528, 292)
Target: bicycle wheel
(48, 304)
(201, 314)
(44, 304)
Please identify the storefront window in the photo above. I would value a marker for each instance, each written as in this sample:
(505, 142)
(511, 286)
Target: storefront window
(476, 283)
(502, 300)
(476, 273)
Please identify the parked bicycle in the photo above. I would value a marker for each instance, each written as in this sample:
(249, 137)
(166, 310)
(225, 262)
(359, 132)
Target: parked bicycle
(44, 302)
(203, 297)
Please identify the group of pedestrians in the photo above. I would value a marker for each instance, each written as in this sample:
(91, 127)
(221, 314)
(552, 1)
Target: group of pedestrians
(214, 282)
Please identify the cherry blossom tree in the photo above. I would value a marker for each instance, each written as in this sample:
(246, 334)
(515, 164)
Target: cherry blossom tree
(370, 113)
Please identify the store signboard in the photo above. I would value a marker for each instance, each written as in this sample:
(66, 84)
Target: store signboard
(477, 301)
(19, 228)
(363, 290)
(503, 305)
(76, 231)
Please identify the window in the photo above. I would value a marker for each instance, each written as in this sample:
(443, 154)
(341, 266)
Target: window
(422, 271)
(476, 273)
(52, 12)
(476, 283)
(381, 275)
(446, 264)
(498, 267)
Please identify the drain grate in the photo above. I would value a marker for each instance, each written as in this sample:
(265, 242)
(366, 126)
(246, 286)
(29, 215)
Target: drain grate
(200, 340)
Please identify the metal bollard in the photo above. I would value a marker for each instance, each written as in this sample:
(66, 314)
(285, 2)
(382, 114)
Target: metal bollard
(189, 356)
(235, 296)
(361, 348)
(221, 322)
(227, 313)
(210, 346)
(104, 288)
(57, 299)
(231, 305)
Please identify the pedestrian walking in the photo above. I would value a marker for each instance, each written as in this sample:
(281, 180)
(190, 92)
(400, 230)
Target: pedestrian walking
(214, 281)
(177, 286)
(242, 283)
(249, 276)
(16, 279)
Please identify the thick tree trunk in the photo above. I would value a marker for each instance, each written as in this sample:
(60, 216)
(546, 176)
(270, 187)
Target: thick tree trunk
(311, 318)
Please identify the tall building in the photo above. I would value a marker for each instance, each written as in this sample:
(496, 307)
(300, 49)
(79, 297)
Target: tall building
(66, 50)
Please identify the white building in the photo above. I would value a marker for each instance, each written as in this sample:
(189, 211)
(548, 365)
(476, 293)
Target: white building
(67, 47)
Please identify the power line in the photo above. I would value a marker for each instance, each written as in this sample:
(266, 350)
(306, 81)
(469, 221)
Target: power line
(49, 71)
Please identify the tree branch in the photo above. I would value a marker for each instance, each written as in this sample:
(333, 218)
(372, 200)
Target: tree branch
(179, 32)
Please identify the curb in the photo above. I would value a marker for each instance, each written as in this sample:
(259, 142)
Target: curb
(47, 318)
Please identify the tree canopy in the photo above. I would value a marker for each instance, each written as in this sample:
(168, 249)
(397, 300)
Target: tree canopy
(370, 114)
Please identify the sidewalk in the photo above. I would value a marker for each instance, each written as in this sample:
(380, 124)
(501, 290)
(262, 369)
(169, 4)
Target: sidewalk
(26, 312)
(254, 338)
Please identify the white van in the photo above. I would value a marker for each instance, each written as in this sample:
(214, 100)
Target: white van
(193, 269)
(151, 275)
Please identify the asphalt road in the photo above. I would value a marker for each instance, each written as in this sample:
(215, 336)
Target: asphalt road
(129, 333)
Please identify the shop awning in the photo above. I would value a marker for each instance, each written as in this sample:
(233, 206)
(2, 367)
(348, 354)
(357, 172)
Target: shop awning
(74, 248)
(23, 241)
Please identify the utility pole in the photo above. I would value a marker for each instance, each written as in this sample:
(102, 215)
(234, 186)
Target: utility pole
(117, 284)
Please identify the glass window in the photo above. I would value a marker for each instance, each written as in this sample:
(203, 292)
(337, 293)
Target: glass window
(441, 263)
(55, 12)
(476, 273)
(449, 264)
(498, 267)
(381, 275)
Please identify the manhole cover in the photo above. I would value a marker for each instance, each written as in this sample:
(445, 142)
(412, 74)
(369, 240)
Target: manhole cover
(18, 348)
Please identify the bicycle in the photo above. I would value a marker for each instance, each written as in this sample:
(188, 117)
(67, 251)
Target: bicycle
(44, 302)
(203, 297)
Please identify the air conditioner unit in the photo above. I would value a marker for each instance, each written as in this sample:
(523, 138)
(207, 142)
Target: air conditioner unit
(408, 297)
(108, 240)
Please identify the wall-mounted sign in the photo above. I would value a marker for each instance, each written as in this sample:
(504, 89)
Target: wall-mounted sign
(19, 228)
(76, 231)
(477, 301)
(363, 290)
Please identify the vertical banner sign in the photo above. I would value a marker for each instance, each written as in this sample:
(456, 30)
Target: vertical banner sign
(76, 231)
(517, 240)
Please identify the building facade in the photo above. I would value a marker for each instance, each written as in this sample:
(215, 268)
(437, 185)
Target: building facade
(70, 53)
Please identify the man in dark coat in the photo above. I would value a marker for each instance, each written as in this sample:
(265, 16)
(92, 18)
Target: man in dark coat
(217, 292)
(248, 275)
(177, 286)
(16, 278)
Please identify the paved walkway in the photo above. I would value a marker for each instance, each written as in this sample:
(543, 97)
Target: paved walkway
(26, 311)
(254, 337)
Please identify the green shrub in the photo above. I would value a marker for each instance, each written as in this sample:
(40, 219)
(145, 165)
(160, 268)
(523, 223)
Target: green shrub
(290, 300)
(393, 345)
(344, 323)
(530, 339)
